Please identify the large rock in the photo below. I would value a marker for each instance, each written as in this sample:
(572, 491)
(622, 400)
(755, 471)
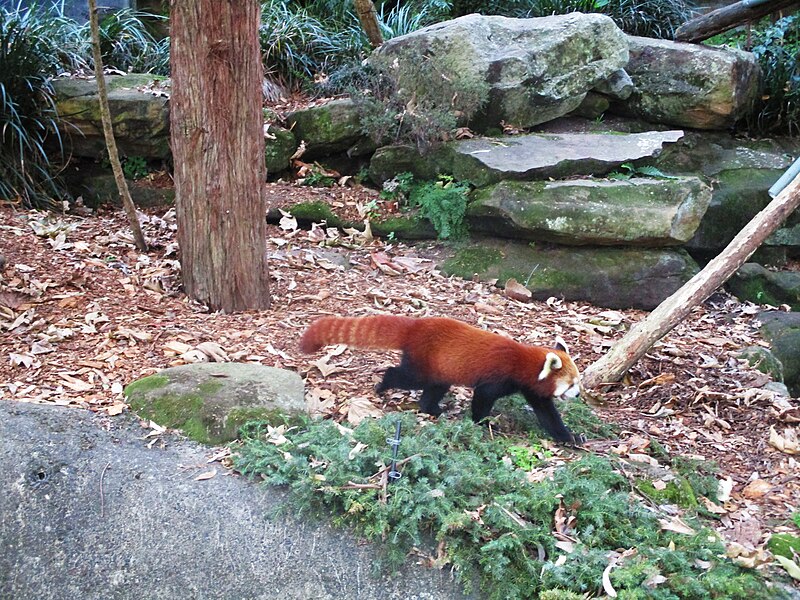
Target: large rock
(210, 401)
(329, 128)
(640, 212)
(537, 69)
(279, 146)
(609, 277)
(486, 160)
(755, 283)
(782, 331)
(88, 509)
(690, 85)
(140, 119)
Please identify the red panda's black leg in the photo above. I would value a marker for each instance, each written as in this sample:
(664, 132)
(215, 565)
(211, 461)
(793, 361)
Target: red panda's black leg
(485, 395)
(431, 396)
(550, 420)
(402, 377)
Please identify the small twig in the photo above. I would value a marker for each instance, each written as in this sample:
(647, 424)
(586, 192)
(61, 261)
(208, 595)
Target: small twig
(351, 485)
(516, 518)
(102, 496)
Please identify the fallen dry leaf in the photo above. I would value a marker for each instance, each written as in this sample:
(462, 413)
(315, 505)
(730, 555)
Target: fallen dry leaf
(206, 475)
(676, 525)
(756, 489)
(359, 409)
(791, 567)
(786, 443)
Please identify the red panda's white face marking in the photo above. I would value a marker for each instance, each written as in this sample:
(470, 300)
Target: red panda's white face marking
(564, 373)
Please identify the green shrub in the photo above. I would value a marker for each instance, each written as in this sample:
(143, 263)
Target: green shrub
(296, 45)
(304, 41)
(28, 118)
(462, 489)
(135, 167)
(777, 47)
(392, 111)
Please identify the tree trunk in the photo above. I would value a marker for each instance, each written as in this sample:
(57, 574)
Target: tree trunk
(611, 367)
(365, 10)
(722, 19)
(216, 130)
(108, 132)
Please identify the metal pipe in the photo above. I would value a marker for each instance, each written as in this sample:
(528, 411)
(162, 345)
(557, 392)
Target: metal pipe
(785, 179)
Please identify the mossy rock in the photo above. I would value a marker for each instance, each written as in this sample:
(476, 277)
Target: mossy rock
(279, 150)
(760, 285)
(763, 360)
(328, 128)
(605, 276)
(404, 228)
(317, 212)
(678, 491)
(209, 402)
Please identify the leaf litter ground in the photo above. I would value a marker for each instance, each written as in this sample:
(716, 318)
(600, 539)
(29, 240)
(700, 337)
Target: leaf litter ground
(85, 314)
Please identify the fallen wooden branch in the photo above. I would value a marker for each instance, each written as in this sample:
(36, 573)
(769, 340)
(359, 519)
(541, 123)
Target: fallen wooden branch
(727, 17)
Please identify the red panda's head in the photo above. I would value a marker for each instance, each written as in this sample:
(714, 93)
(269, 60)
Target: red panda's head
(559, 374)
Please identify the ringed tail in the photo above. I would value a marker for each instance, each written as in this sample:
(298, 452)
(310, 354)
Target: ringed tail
(380, 332)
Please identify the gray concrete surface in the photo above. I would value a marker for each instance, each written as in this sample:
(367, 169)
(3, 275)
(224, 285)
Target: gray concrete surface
(88, 511)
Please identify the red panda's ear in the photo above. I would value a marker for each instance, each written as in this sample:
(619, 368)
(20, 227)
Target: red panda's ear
(552, 362)
(561, 344)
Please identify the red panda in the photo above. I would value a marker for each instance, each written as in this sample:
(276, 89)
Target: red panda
(439, 352)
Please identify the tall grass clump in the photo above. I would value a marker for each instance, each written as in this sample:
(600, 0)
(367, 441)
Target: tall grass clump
(571, 530)
(126, 43)
(28, 115)
(306, 41)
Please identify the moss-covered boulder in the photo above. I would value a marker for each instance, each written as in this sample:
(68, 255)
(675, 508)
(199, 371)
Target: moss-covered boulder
(782, 331)
(784, 544)
(760, 285)
(635, 212)
(329, 128)
(689, 85)
(537, 69)
(140, 118)
(97, 186)
(740, 171)
(403, 226)
(279, 146)
(210, 401)
(763, 360)
(610, 277)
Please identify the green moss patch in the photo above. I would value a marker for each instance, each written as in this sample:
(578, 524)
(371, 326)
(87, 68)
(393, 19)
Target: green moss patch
(784, 544)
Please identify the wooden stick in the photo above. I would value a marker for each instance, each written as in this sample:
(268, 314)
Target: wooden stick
(727, 17)
(108, 132)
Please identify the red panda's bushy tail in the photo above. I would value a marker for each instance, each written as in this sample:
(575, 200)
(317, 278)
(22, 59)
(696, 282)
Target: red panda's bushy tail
(380, 332)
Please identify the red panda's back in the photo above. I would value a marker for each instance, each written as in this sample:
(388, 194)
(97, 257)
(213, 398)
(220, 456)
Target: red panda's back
(453, 352)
